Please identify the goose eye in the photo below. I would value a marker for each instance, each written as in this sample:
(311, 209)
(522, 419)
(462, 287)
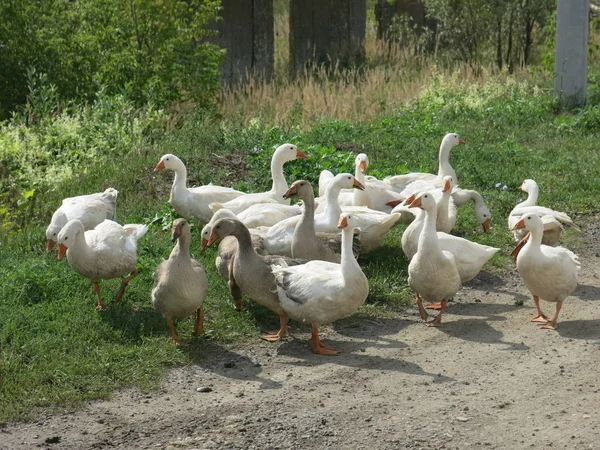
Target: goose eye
(485, 215)
(349, 178)
(167, 159)
(66, 237)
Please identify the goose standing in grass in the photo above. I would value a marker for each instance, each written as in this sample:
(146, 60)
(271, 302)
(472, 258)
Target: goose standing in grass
(321, 292)
(549, 273)
(252, 273)
(90, 209)
(263, 214)
(376, 194)
(108, 251)
(432, 273)
(283, 154)
(401, 183)
(193, 203)
(180, 283)
(552, 220)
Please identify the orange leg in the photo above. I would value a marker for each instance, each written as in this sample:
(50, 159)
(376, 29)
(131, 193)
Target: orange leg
(199, 328)
(540, 318)
(171, 325)
(124, 284)
(438, 319)
(283, 330)
(318, 347)
(437, 305)
(422, 312)
(553, 324)
(100, 306)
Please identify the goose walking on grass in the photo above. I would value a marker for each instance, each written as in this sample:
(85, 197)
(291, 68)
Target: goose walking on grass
(252, 272)
(90, 209)
(108, 251)
(321, 292)
(180, 283)
(549, 273)
(432, 273)
(192, 203)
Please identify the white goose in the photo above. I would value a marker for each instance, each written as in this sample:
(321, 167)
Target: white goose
(400, 183)
(376, 194)
(192, 203)
(263, 214)
(283, 154)
(320, 292)
(432, 273)
(180, 283)
(550, 273)
(90, 209)
(108, 251)
(552, 220)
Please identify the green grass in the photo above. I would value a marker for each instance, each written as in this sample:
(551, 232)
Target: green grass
(57, 351)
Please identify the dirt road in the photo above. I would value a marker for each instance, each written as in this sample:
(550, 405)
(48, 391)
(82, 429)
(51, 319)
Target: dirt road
(487, 379)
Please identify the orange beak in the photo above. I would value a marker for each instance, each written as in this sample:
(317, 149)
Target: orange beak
(486, 225)
(62, 250)
(519, 225)
(159, 166)
(363, 166)
(410, 199)
(461, 141)
(300, 153)
(290, 192)
(50, 245)
(415, 203)
(521, 187)
(394, 203)
(358, 185)
(520, 245)
(343, 223)
(204, 243)
(213, 239)
(446, 186)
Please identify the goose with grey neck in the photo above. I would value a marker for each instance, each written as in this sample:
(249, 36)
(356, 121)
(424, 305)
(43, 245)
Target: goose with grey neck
(180, 283)
(252, 273)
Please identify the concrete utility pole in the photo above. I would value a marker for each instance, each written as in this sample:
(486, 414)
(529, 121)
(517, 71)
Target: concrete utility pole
(570, 64)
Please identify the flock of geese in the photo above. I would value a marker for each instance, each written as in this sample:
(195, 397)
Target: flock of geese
(300, 260)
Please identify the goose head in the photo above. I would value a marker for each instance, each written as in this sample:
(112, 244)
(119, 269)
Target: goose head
(425, 201)
(287, 152)
(528, 222)
(170, 162)
(219, 214)
(484, 216)
(67, 235)
(346, 181)
(52, 236)
(362, 162)
(448, 183)
(300, 189)
(221, 228)
(528, 185)
(180, 227)
(347, 220)
(452, 140)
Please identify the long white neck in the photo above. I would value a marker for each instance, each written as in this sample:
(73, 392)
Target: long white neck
(333, 208)
(348, 262)
(179, 182)
(444, 167)
(79, 248)
(428, 240)
(534, 243)
(444, 204)
(360, 197)
(279, 186)
(532, 197)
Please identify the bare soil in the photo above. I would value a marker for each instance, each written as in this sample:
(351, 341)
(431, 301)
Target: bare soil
(487, 379)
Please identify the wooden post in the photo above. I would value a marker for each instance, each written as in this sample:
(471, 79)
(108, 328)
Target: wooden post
(328, 32)
(570, 65)
(246, 32)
